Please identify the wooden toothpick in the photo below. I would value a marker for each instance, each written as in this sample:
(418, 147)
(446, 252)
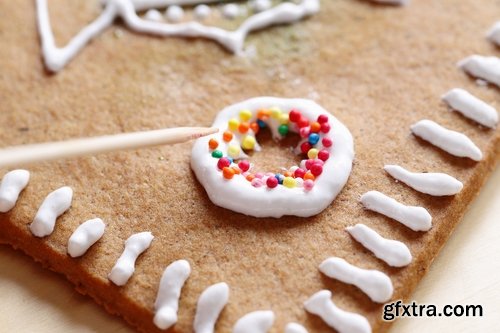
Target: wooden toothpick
(13, 156)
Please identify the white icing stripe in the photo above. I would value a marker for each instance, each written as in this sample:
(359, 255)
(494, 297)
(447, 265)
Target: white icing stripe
(125, 265)
(86, 235)
(322, 305)
(13, 183)
(486, 68)
(295, 328)
(494, 33)
(415, 218)
(56, 58)
(140, 5)
(452, 142)
(471, 107)
(169, 292)
(393, 252)
(255, 322)
(54, 205)
(210, 304)
(437, 184)
(392, 2)
(373, 283)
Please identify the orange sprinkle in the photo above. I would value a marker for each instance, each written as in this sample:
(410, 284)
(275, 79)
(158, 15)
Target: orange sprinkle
(309, 175)
(288, 174)
(250, 177)
(227, 136)
(213, 144)
(263, 114)
(243, 127)
(255, 127)
(228, 173)
(315, 127)
(237, 170)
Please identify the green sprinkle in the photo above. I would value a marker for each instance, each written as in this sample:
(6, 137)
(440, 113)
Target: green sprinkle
(283, 129)
(217, 154)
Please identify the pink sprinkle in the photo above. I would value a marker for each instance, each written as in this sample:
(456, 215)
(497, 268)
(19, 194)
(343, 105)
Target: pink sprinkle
(245, 174)
(259, 175)
(319, 162)
(304, 132)
(308, 185)
(257, 182)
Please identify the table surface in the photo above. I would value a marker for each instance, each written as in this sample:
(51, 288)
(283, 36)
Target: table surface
(466, 272)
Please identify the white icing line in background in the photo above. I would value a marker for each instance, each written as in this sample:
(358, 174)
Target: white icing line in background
(322, 305)
(494, 33)
(174, 14)
(452, 142)
(201, 12)
(125, 265)
(486, 68)
(471, 107)
(373, 283)
(153, 15)
(393, 2)
(393, 252)
(255, 322)
(437, 184)
(295, 328)
(169, 292)
(210, 304)
(13, 183)
(140, 5)
(56, 58)
(230, 11)
(86, 235)
(260, 5)
(54, 205)
(415, 218)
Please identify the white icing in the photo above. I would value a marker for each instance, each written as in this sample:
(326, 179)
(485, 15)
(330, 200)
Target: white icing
(393, 252)
(415, 218)
(56, 58)
(86, 235)
(392, 2)
(240, 196)
(230, 11)
(452, 142)
(373, 283)
(255, 322)
(174, 14)
(494, 33)
(295, 328)
(153, 15)
(201, 12)
(322, 305)
(261, 5)
(437, 184)
(54, 205)
(13, 183)
(125, 265)
(147, 4)
(210, 304)
(471, 107)
(486, 68)
(169, 292)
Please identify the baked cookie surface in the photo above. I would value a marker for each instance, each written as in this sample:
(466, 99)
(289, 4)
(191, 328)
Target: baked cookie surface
(378, 69)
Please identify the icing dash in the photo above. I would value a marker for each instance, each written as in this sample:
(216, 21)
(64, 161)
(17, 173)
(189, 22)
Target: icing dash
(486, 68)
(13, 183)
(295, 328)
(373, 283)
(322, 305)
(255, 322)
(471, 107)
(394, 253)
(494, 33)
(54, 205)
(86, 235)
(210, 304)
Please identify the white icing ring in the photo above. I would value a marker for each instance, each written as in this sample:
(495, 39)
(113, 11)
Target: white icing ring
(239, 195)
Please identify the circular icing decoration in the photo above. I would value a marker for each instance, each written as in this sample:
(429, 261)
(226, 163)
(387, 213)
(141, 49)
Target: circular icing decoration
(223, 168)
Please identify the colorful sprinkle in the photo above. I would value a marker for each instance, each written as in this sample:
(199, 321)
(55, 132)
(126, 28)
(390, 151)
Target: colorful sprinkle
(283, 130)
(289, 182)
(309, 176)
(312, 153)
(227, 136)
(244, 165)
(263, 114)
(245, 115)
(325, 128)
(233, 151)
(243, 127)
(228, 173)
(304, 132)
(255, 127)
(323, 155)
(272, 182)
(294, 116)
(275, 112)
(249, 177)
(303, 122)
(261, 123)
(279, 177)
(308, 184)
(299, 173)
(327, 142)
(304, 147)
(233, 124)
(323, 118)
(315, 127)
(257, 182)
(316, 169)
(313, 138)
(217, 154)
(248, 142)
(223, 162)
(213, 144)
(283, 119)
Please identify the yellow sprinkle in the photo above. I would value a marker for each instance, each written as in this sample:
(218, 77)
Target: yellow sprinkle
(233, 124)
(245, 115)
(289, 182)
(275, 112)
(312, 153)
(233, 151)
(248, 142)
(283, 119)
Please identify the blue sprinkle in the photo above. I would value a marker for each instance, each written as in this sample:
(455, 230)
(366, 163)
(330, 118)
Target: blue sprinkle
(261, 123)
(313, 138)
(279, 177)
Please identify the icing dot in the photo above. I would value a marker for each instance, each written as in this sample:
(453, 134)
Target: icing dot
(272, 182)
(327, 142)
(233, 151)
(248, 142)
(174, 13)
(233, 124)
(223, 162)
(313, 138)
(315, 127)
(283, 129)
(213, 144)
(245, 115)
(230, 11)
(289, 182)
(228, 136)
(261, 5)
(244, 165)
(217, 154)
(201, 12)
(243, 127)
(228, 173)
(312, 153)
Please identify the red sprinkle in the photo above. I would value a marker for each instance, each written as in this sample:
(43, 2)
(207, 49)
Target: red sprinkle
(327, 142)
(325, 127)
(309, 164)
(304, 147)
(299, 173)
(323, 155)
(323, 118)
(223, 163)
(316, 170)
(294, 116)
(272, 182)
(303, 122)
(244, 165)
